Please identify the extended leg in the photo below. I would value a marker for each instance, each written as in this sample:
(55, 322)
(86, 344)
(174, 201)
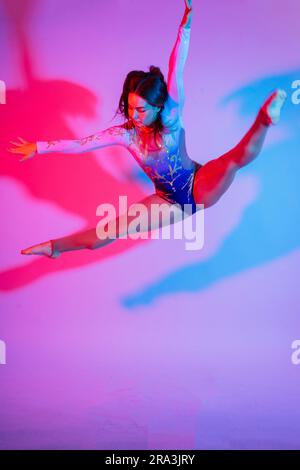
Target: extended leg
(214, 178)
(122, 225)
(53, 248)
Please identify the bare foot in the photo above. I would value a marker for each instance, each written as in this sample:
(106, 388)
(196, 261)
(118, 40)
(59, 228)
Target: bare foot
(45, 248)
(272, 106)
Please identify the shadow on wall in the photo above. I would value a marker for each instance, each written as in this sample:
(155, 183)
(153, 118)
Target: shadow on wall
(270, 227)
(39, 111)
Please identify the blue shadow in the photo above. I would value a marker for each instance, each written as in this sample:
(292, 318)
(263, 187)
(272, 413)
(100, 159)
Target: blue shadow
(270, 227)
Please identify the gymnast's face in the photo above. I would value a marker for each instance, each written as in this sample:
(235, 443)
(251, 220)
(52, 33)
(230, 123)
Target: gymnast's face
(140, 111)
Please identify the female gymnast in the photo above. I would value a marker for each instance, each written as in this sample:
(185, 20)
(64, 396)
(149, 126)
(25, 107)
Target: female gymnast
(154, 134)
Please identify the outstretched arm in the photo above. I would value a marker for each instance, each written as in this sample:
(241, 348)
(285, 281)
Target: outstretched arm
(178, 57)
(115, 135)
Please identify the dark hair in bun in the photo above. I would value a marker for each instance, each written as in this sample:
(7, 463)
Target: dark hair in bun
(153, 70)
(149, 85)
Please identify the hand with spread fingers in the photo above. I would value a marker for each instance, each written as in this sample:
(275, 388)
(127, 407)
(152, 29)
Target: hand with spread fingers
(27, 149)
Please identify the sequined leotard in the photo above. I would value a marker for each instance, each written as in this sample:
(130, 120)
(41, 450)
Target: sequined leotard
(167, 163)
(169, 167)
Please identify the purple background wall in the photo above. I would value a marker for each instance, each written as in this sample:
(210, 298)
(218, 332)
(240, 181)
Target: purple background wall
(145, 345)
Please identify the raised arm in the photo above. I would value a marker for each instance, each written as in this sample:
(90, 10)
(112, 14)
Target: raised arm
(178, 58)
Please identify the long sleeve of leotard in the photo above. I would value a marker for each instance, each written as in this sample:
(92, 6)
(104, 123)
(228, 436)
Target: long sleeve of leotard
(176, 64)
(115, 135)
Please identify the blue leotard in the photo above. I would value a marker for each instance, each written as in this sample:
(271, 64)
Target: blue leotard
(169, 167)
